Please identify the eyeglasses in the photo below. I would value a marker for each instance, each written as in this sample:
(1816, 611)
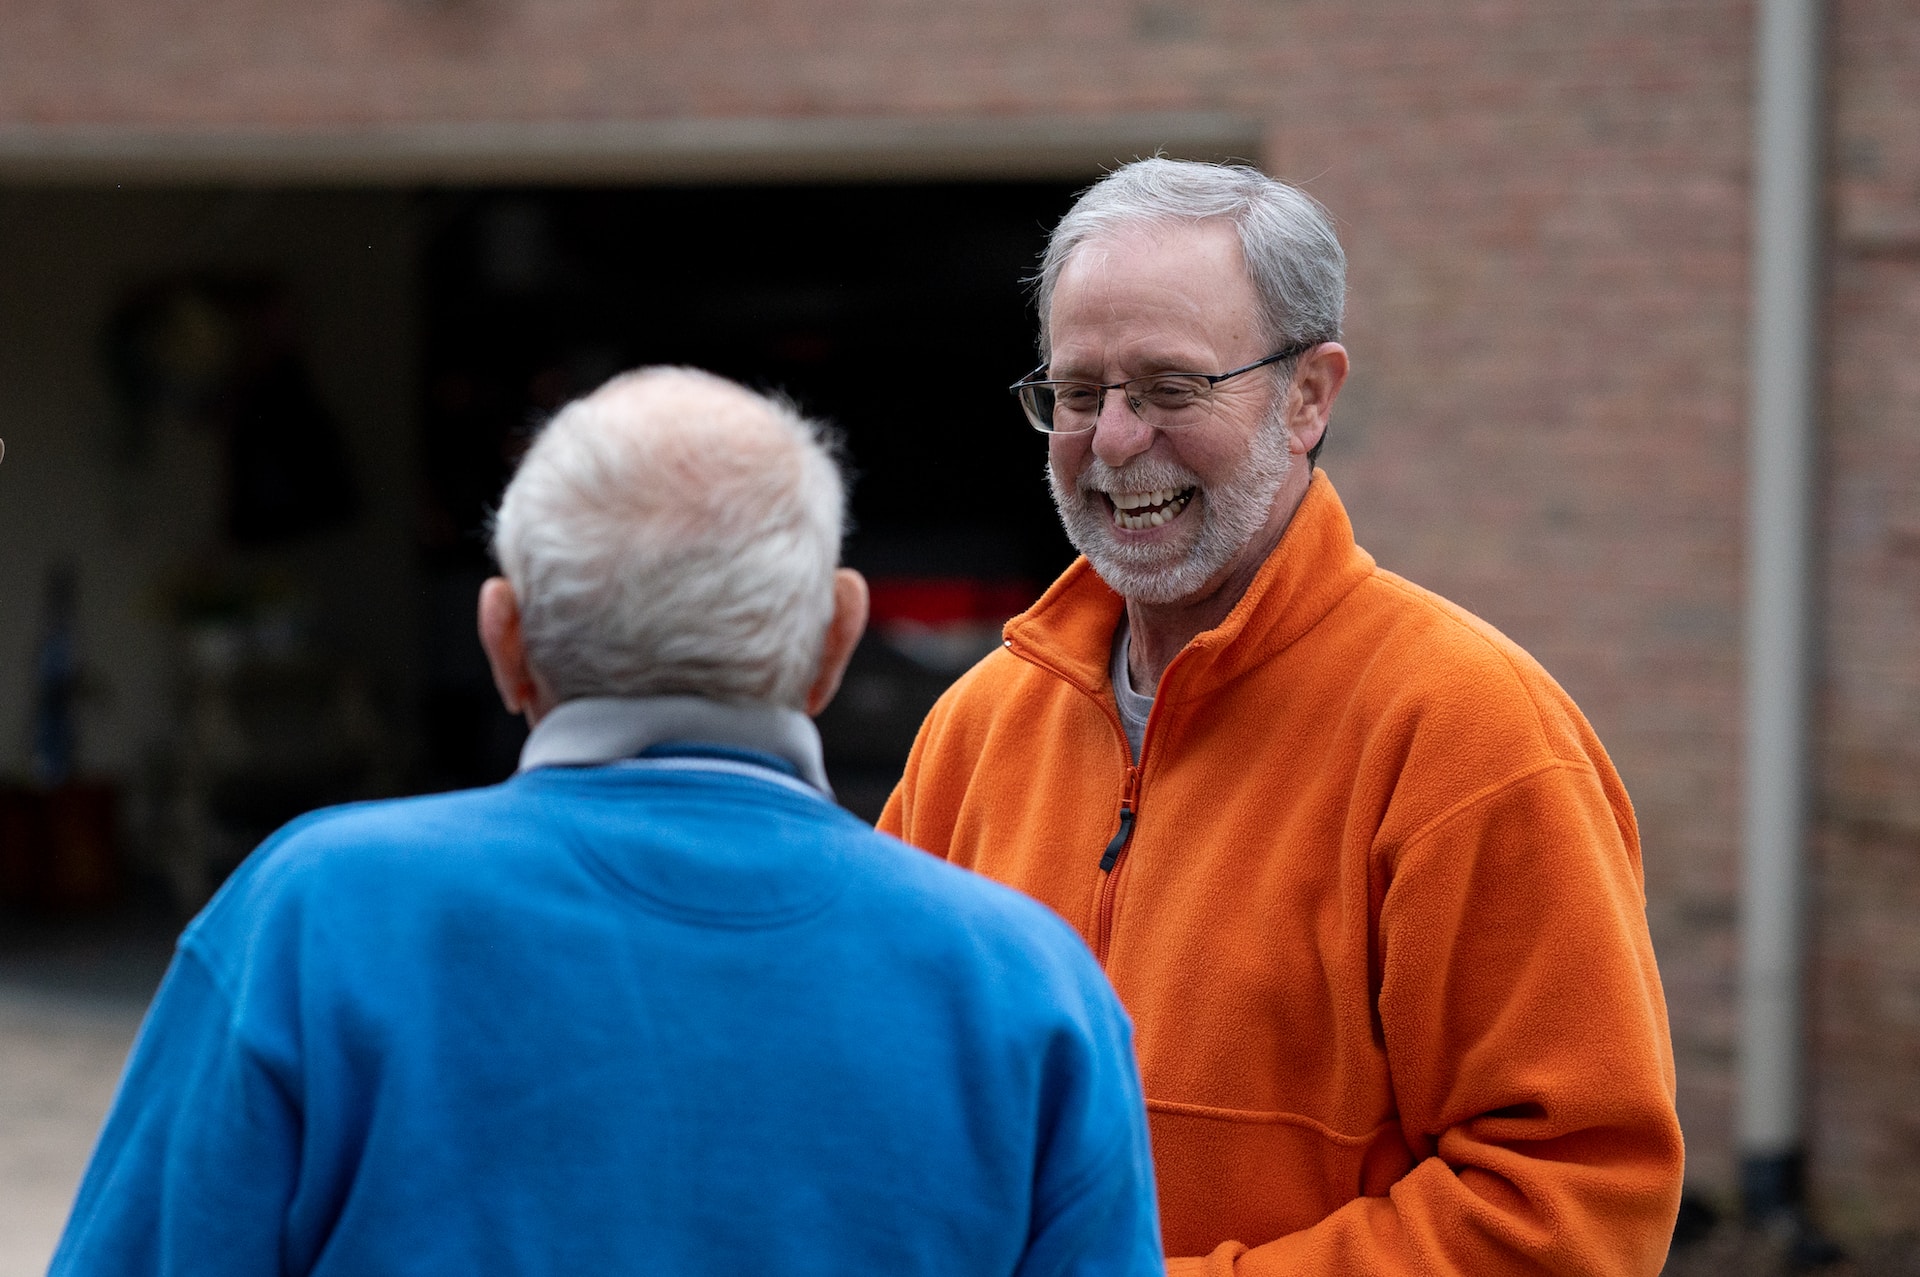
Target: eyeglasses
(1164, 400)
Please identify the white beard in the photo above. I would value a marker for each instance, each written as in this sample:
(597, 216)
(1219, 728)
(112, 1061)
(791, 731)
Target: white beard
(1217, 524)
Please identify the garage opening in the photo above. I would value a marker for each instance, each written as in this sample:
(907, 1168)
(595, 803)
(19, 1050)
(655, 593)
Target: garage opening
(254, 435)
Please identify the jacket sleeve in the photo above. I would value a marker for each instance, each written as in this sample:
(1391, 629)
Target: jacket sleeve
(898, 816)
(893, 817)
(196, 1163)
(1094, 1212)
(1527, 1037)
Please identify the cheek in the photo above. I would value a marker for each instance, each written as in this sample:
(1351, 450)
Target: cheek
(1067, 454)
(1216, 451)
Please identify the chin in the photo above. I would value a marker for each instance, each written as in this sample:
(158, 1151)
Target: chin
(1169, 567)
(1156, 584)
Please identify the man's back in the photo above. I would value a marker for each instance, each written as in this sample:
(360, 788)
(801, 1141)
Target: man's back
(671, 1015)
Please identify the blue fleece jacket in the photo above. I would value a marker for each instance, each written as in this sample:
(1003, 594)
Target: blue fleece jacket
(646, 1017)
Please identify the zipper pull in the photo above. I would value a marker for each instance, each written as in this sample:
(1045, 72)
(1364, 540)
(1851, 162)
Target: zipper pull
(1119, 844)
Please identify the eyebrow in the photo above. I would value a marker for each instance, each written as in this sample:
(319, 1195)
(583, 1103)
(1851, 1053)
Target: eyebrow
(1151, 368)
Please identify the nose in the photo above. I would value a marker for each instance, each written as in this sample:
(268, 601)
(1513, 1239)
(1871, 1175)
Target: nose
(1118, 433)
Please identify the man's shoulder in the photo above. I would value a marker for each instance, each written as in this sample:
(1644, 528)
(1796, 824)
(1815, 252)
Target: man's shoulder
(384, 827)
(1429, 643)
(988, 678)
(1000, 690)
(1424, 677)
(348, 840)
(333, 868)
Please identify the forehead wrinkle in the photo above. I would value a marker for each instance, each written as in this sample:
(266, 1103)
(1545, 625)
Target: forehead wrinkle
(1154, 288)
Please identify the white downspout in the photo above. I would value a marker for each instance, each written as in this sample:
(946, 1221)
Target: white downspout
(1782, 486)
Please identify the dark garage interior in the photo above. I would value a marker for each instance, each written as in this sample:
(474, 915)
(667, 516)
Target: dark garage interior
(895, 312)
(299, 406)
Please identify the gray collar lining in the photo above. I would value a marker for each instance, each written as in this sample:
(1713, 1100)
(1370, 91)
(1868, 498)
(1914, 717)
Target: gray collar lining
(593, 730)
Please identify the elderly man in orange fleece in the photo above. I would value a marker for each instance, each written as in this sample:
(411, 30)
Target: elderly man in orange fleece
(1361, 872)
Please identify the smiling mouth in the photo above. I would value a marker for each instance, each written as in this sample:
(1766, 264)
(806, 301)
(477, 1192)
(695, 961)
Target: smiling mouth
(1138, 511)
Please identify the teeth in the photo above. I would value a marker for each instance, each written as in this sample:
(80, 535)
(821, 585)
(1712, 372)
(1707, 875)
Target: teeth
(1141, 500)
(1125, 507)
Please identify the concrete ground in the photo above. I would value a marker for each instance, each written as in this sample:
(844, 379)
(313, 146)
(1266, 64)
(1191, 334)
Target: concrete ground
(71, 997)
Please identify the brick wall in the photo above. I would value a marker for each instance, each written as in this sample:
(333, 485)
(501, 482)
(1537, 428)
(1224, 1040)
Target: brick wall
(1547, 213)
(255, 62)
(1866, 990)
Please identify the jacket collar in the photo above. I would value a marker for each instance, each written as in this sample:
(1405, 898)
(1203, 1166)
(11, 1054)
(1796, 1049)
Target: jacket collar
(1316, 564)
(593, 730)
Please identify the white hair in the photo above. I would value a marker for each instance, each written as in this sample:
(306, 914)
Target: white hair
(1293, 254)
(1293, 257)
(674, 533)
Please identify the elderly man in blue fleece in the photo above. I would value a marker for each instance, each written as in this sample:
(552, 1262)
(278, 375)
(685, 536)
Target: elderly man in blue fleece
(654, 1005)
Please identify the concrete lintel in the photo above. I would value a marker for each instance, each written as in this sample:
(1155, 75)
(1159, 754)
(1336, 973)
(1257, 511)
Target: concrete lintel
(619, 151)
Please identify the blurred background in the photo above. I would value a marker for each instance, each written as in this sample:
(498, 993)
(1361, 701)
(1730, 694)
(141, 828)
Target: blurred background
(284, 289)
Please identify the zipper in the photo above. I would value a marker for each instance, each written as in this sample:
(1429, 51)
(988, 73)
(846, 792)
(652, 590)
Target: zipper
(1113, 858)
(1110, 864)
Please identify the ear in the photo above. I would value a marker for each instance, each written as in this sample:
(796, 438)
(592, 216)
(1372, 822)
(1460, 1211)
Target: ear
(843, 635)
(520, 689)
(1316, 384)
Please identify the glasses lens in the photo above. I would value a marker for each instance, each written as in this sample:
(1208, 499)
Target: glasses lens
(1076, 405)
(1037, 402)
(1168, 401)
(1069, 407)
(1041, 406)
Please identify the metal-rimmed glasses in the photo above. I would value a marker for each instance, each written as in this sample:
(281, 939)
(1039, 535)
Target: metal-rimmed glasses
(1164, 400)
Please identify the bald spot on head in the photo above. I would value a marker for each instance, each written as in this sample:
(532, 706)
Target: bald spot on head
(694, 446)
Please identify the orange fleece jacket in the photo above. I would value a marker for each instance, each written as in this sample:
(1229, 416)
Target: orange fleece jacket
(1380, 921)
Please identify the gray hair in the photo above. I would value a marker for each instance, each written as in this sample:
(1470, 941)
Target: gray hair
(674, 533)
(1293, 256)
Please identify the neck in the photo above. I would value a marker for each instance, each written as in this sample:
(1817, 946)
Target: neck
(1157, 632)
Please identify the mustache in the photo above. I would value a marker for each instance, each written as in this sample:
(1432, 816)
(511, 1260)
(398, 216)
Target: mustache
(1139, 475)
